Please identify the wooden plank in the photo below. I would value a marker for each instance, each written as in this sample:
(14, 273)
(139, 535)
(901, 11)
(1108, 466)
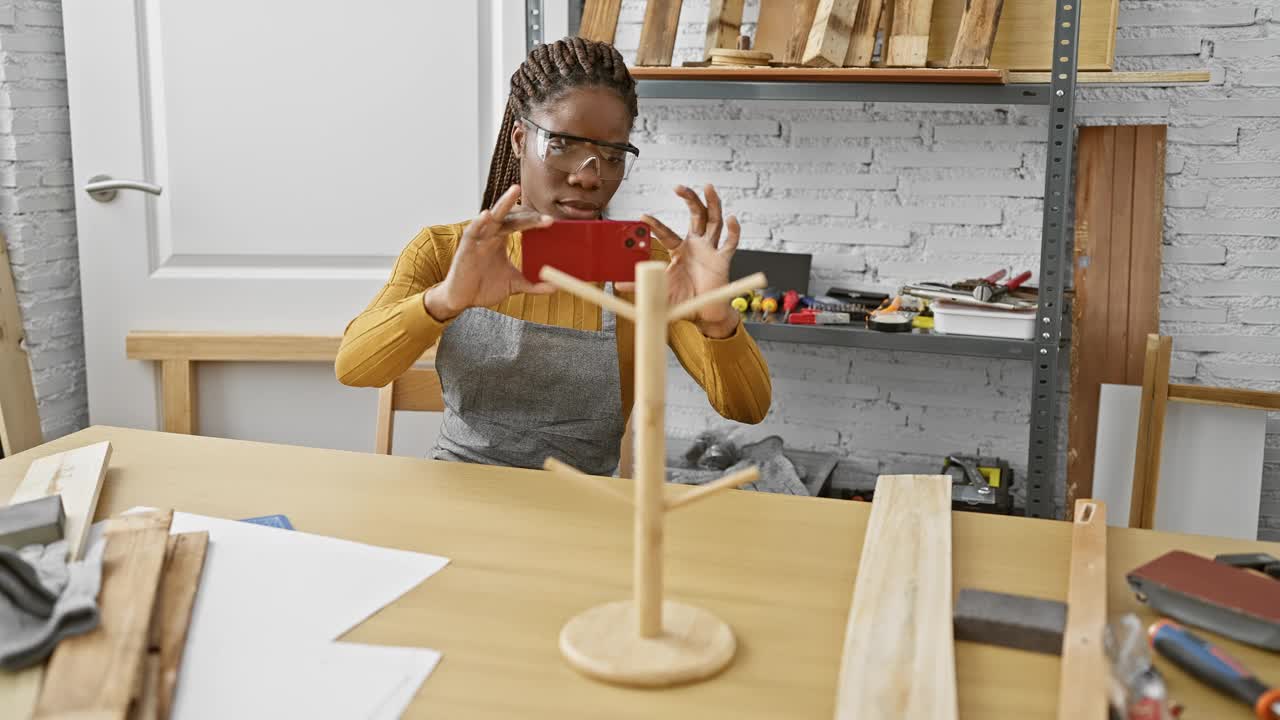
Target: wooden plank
(773, 28)
(600, 20)
(184, 563)
(1151, 413)
(1084, 677)
(909, 34)
(724, 25)
(977, 33)
(99, 674)
(1024, 38)
(1135, 77)
(803, 14)
(235, 347)
(19, 416)
(899, 656)
(658, 34)
(862, 40)
(385, 424)
(178, 396)
(1120, 256)
(77, 476)
(1146, 238)
(801, 74)
(828, 41)
(1230, 397)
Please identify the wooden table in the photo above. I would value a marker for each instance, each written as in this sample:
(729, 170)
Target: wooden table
(529, 551)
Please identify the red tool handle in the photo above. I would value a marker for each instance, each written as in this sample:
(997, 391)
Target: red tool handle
(790, 300)
(994, 276)
(1016, 282)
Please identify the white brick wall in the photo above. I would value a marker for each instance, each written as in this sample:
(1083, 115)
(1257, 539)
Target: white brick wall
(907, 191)
(37, 207)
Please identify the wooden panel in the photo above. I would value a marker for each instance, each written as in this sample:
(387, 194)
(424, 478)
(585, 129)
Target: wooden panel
(828, 41)
(1024, 39)
(1119, 215)
(418, 389)
(787, 74)
(77, 476)
(1135, 77)
(1151, 413)
(977, 33)
(803, 13)
(724, 25)
(528, 534)
(909, 34)
(773, 28)
(19, 417)
(658, 35)
(600, 20)
(99, 674)
(178, 396)
(862, 40)
(899, 657)
(1231, 397)
(184, 563)
(1084, 677)
(385, 424)
(235, 347)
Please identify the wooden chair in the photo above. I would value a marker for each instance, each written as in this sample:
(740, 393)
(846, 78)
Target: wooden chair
(418, 389)
(1157, 391)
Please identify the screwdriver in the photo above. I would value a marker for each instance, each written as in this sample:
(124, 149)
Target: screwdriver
(769, 298)
(741, 303)
(1214, 667)
(790, 301)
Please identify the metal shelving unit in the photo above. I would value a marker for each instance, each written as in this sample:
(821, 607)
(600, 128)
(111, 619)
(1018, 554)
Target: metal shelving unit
(1048, 347)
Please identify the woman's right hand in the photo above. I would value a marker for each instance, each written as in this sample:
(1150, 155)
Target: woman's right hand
(481, 274)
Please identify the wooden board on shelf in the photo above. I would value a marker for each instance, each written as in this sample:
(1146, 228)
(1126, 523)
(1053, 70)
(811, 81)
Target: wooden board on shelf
(1024, 38)
(658, 34)
(19, 416)
(987, 76)
(862, 40)
(773, 28)
(1119, 221)
(600, 20)
(909, 33)
(899, 655)
(977, 33)
(828, 41)
(1136, 77)
(724, 25)
(803, 14)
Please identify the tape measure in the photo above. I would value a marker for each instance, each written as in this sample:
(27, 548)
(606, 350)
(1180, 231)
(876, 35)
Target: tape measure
(890, 322)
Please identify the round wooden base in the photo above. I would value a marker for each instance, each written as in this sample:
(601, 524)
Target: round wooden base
(602, 643)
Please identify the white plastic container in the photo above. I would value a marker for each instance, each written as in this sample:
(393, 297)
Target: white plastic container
(954, 319)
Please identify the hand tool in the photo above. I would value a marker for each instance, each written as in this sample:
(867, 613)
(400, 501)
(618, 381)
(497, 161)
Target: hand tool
(1249, 561)
(1239, 604)
(987, 285)
(1138, 690)
(769, 299)
(790, 300)
(1215, 668)
(979, 484)
(818, 317)
(991, 293)
(755, 304)
(35, 522)
(742, 304)
(1015, 621)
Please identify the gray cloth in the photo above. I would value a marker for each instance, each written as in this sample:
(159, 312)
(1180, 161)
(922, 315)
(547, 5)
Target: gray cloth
(21, 583)
(777, 473)
(517, 392)
(27, 638)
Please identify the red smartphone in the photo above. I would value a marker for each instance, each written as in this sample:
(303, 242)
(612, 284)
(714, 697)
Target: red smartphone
(590, 250)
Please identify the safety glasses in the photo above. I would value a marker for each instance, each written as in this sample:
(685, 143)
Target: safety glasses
(572, 154)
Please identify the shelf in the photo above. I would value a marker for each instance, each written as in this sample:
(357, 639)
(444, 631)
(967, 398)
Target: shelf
(1140, 77)
(915, 341)
(949, 76)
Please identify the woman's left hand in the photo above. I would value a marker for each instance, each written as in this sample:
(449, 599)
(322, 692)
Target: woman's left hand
(700, 261)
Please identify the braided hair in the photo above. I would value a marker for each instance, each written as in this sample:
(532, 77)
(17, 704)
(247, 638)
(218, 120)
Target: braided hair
(550, 71)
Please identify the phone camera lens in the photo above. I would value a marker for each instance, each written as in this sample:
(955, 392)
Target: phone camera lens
(631, 243)
(641, 232)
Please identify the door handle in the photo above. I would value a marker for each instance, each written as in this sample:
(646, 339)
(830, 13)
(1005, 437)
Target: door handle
(103, 187)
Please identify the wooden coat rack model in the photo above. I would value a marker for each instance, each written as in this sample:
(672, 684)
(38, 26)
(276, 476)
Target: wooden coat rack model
(650, 641)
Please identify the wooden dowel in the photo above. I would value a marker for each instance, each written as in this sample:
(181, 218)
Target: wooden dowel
(742, 477)
(566, 471)
(589, 292)
(720, 294)
(1228, 397)
(650, 453)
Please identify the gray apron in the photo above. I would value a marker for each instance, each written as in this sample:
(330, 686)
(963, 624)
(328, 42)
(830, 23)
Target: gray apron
(517, 392)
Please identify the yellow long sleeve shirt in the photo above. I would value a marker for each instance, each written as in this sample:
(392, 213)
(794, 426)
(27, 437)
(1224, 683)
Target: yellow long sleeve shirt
(395, 330)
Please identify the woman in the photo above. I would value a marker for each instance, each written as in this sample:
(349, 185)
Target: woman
(527, 371)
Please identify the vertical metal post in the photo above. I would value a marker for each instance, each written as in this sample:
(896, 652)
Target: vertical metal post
(533, 24)
(1054, 268)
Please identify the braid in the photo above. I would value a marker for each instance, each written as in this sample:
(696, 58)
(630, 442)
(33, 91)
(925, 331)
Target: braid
(549, 72)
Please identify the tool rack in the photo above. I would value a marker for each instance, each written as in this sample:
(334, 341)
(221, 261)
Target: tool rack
(1050, 345)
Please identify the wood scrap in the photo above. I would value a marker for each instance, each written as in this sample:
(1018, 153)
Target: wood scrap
(658, 34)
(100, 673)
(19, 416)
(803, 14)
(773, 28)
(977, 33)
(899, 654)
(1151, 413)
(184, 563)
(909, 34)
(1085, 678)
(1119, 219)
(1024, 38)
(740, 58)
(862, 40)
(600, 20)
(828, 41)
(724, 25)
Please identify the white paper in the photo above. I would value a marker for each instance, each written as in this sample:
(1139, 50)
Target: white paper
(1210, 464)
